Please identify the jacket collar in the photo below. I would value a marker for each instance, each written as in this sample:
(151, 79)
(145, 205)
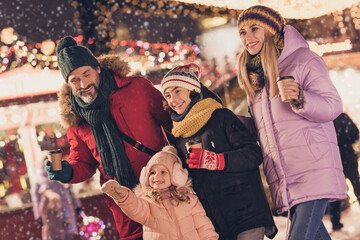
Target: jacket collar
(108, 62)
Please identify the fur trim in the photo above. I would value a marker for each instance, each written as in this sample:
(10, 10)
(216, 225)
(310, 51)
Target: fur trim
(114, 62)
(108, 62)
(67, 115)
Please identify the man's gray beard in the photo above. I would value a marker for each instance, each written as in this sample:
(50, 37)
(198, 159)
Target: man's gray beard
(89, 98)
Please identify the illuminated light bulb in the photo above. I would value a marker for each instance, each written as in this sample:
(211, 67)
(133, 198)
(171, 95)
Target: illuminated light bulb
(23, 182)
(208, 83)
(47, 47)
(146, 46)
(6, 184)
(2, 190)
(7, 35)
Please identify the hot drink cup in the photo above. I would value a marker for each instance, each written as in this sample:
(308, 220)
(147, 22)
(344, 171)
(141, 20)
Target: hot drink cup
(281, 82)
(55, 158)
(193, 144)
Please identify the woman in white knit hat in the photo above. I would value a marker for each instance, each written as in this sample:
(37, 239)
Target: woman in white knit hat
(225, 163)
(164, 202)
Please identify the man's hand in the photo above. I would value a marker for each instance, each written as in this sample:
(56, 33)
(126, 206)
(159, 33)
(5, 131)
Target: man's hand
(201, 158)
(64, 175)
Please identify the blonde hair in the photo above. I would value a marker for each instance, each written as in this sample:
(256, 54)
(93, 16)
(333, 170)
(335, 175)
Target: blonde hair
(176, 196)
(268, 56)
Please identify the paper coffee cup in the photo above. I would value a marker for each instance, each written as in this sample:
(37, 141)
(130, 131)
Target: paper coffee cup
(55, 158)
(193, 144)
(281, 82)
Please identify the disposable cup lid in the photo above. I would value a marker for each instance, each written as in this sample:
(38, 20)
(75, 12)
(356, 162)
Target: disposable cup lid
(55, 151)
(284, 77)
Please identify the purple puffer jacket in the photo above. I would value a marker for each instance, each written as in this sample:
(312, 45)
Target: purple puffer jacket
(301, 156)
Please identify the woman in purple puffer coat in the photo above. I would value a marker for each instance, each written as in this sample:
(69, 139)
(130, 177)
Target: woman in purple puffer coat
(301, 157)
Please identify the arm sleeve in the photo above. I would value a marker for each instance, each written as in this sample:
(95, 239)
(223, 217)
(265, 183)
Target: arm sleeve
(202, 223)
(136, 208)
(246, 155)
(322, 103)
(82, 162)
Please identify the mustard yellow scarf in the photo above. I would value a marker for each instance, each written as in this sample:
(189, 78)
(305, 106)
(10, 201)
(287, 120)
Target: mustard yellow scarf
(196, 118)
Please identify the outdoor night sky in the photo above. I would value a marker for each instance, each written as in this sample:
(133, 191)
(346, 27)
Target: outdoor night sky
(37, 20)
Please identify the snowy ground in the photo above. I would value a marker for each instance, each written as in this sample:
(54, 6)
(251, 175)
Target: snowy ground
(350, 217)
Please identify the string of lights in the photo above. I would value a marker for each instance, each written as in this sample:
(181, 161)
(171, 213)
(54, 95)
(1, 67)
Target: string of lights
(141, 54)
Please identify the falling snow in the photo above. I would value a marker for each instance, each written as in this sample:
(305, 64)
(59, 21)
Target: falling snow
(35, 21)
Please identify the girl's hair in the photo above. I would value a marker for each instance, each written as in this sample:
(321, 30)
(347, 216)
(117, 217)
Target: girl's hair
(268, 56)
(176, 196)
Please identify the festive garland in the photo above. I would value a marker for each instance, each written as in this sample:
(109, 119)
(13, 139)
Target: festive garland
(145, 53)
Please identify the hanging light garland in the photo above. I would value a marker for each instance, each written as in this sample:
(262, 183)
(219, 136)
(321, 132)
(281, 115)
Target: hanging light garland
(141, 54)
(20, 53)
(174, 9)
(298, 9)
(355, 15)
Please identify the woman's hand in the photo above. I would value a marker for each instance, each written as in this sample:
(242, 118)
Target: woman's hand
(291, 90)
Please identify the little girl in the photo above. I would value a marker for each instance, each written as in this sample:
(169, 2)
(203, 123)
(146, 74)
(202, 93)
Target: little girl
(164, 202)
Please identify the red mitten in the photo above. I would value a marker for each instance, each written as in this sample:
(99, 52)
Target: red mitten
(201, 158)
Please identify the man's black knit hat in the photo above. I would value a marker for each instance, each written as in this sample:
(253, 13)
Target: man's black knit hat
(71, 56)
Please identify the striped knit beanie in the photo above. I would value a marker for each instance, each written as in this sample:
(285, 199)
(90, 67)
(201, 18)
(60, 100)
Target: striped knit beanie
(186, 76)
(264, 16)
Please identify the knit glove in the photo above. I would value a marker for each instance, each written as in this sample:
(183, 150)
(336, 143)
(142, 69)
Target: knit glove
(64, 175)
(113, 189)
(298, 103)
(201, 158)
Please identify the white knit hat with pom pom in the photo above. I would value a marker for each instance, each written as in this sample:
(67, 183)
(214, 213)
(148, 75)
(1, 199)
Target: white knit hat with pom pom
(167, 157)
